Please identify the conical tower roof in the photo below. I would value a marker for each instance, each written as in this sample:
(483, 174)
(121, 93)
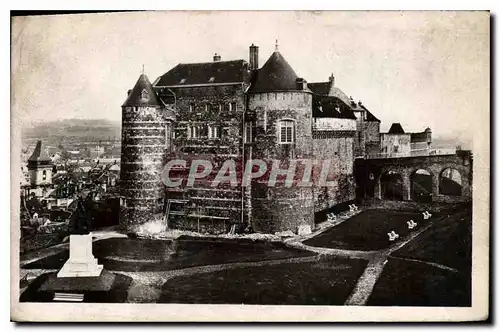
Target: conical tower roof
(39, 154)
(275, 75)
(396, 128)
(142, 94)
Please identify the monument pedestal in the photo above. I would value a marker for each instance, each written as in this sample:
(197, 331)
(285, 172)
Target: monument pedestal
(81, 262)
(81, 279)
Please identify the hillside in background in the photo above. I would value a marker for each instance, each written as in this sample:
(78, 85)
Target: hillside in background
(70, 130)
(452, 142)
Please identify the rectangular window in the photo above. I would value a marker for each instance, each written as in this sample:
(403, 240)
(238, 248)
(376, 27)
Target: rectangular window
(168, 135)
(193, 131)
(396, 148)
(213, 132)
(248, 132)
(232, 106)
(286, 132)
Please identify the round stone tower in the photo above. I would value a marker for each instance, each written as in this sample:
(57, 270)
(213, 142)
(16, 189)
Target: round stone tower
(142, 157)
(282, 106)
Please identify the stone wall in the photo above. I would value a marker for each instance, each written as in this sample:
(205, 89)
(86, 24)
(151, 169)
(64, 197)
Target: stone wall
(208, 209)
(367, 140)
(340, 152)
(395, 144)
(281, 209)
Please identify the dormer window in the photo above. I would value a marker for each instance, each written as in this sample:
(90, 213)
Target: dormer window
(144, 95)
(212, 79)
(182, 81)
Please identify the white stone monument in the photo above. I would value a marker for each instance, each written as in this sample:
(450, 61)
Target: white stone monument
(81, 262)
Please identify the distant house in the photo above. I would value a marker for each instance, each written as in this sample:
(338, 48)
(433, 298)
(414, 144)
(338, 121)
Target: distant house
(397, 143)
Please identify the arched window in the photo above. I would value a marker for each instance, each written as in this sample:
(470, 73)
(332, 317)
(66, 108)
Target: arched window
(286, 132)
(44, 175)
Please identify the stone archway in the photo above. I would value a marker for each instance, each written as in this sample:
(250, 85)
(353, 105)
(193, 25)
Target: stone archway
(392, 186)
(450, 182)
(421, 183)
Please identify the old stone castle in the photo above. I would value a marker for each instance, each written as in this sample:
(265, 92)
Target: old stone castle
(239, 110)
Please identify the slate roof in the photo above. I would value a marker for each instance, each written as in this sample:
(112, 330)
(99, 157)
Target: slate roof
(331, 107)
(369, 115)
(235, 71)
(320, 88)
(325, 89)
(39, 154)
(396, 128)
(135, 97)
(275, 75)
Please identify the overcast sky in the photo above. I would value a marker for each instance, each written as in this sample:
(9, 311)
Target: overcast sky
(419, 69)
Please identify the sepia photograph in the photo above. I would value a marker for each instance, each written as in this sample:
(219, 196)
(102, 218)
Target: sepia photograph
(250, 166)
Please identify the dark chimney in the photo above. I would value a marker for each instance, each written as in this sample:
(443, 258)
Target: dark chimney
(301, 83)
(216, 57)
(254, 57)
(332, 79)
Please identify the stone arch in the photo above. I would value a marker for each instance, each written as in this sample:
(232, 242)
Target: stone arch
(451, 181)
(392, 185)
(421, 185)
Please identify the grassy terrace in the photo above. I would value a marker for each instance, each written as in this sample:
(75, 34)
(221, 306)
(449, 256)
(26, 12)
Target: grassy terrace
(432, 270)
(328, 281)
(162, 255)
(367, 230)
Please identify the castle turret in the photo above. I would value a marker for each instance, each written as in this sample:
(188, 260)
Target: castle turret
(142, 156)
(281, 102)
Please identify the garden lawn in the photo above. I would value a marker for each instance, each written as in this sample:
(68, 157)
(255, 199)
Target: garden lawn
(409, 283)
(448, 242)
(328, 281)
(127, 254)
(368, 230)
